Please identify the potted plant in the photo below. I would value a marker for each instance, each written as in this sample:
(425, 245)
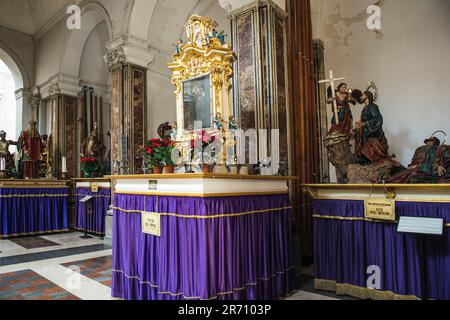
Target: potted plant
(158, 153)
(206, 140)
(90, 167)
(167, 149)
(153, 155)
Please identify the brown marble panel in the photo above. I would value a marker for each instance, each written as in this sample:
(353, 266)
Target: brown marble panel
(246, 70)
(139, 119)
(115, 114)
(281, 88)
(72, 153)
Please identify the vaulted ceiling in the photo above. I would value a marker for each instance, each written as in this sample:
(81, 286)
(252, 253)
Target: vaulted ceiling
(28, 16)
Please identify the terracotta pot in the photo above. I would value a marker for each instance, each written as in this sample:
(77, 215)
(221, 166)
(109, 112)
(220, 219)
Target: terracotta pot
(206, 168)
(158, 170)
(169, 169)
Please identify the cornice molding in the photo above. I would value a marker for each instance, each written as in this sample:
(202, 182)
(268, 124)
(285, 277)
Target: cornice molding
(128, 49)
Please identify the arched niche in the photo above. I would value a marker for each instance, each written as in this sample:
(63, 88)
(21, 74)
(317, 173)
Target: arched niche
(22, 104)
(93, 14)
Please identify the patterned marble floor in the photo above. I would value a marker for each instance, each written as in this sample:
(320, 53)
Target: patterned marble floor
(65, 267)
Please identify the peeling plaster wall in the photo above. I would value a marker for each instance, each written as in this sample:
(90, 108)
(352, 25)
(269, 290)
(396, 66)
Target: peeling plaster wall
(408, 60)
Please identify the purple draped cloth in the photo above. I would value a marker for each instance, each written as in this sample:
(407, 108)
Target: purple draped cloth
(33, 211)
(230, 248)
(411, 265)
(96, 220)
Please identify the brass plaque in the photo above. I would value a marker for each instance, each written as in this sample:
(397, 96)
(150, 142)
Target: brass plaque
(94, 187)
(380, 209)
(151, 223)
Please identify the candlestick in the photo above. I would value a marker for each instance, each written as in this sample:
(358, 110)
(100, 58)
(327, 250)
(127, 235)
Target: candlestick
(64, 165)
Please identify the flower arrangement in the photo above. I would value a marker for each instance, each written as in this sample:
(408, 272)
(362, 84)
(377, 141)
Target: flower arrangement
(158, 152)
(207, 138)
(89, 166)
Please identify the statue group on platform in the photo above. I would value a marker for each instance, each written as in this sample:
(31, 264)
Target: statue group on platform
(30, 147)
(93, 155)
(371, 161)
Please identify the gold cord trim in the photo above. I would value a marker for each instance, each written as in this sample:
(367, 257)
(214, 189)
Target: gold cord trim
(34, 196)
(211, 298)
(231, 215)
(33, 233)
(86, 195)
(317, 216)
(359, 292)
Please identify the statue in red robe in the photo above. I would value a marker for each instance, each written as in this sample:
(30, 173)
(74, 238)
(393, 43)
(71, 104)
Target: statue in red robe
(30, 150)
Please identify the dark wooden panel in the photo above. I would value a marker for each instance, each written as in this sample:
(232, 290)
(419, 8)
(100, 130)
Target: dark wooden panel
(304, 119)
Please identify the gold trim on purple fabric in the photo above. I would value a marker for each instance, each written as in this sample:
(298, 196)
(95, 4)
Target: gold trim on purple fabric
(99, 196)
(359, 292)
(231, 215)
(244, 287)
(34, 196)
(317, 216)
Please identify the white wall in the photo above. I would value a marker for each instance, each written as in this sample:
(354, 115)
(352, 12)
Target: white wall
(92, 67)
(408, 60)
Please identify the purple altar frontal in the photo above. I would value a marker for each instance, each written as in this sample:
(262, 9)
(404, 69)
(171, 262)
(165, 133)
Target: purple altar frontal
(229, 247)
(100, 190)
(349, 248)
(33, 207)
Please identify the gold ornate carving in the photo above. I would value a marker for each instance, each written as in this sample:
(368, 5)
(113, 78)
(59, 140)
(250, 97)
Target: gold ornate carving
(204, 54)
(311, 192)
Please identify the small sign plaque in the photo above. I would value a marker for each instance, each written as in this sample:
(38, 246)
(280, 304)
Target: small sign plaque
(421, 226)
(153, 185)
(86, 199)
(379, 209)
(151, 223)
(94, 187)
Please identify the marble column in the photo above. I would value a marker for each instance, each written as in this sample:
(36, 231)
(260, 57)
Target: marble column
(64, 120)
(128, 58)
(261, 99)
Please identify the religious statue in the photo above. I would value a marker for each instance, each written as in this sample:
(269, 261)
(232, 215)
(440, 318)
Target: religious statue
(8, 158)
(94, 148)
(371, 143)
(343, 121)
(221, 36)
(430, 164)
(232, 123)
(30, 151)
(165, 130)
(218, 121)
(46, 155)
(179, 46)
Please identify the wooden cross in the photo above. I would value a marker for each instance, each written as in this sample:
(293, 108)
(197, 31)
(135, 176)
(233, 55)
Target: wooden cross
(332, 81)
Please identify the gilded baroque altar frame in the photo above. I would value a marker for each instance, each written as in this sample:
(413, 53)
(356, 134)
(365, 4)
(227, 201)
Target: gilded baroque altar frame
(204, 55)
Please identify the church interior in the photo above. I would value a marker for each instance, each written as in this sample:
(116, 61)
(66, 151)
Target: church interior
(224, 150)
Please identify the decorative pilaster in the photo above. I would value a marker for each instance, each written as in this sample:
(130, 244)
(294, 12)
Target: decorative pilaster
(64, 119)
(261, 77)
(128, 59)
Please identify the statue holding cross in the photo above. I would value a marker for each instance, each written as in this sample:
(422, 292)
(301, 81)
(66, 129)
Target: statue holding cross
(340, 99)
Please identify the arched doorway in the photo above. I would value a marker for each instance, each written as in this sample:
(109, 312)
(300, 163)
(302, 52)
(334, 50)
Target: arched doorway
(10, 82)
